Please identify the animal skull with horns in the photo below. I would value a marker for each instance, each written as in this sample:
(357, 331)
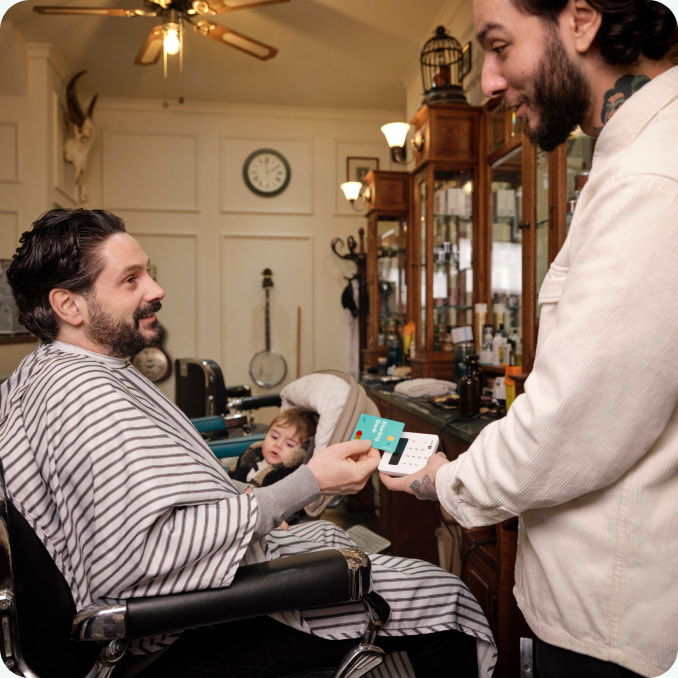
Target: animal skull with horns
(77, 146)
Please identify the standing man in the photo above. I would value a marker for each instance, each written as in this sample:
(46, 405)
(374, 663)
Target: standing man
(588, 455)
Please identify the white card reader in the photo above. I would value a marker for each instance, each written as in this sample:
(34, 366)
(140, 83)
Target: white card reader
(410, 455)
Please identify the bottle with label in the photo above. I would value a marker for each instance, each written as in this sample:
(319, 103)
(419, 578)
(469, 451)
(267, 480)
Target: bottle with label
(516, 348)
(497, 343)
(395, 346)
(485, 357)
(469, 388)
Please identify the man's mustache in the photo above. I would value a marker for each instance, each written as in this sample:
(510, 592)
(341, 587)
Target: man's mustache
(147, 310)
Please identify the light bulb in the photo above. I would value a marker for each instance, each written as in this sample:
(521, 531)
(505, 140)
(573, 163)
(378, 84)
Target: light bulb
(171, 42)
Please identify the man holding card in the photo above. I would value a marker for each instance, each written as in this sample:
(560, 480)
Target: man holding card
(130, 501)
(588, 455)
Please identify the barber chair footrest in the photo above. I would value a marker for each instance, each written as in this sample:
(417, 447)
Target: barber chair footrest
(359, 661)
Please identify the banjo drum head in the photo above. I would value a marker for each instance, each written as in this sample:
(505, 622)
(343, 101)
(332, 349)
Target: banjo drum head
(268, 368)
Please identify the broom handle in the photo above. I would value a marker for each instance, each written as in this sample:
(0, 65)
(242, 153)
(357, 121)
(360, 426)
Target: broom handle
(298, 341)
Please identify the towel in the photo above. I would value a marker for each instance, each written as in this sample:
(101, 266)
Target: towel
(425, 388)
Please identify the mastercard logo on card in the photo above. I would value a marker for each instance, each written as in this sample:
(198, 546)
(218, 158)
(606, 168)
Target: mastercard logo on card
(384, 434)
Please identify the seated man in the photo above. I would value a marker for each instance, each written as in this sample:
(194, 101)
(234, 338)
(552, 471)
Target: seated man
(129, 500)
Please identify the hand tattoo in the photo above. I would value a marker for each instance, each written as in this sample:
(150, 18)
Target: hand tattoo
(426, 489)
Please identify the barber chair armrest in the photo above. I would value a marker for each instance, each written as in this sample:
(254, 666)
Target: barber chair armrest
(255, 402)
(240, 391)
(304, 581)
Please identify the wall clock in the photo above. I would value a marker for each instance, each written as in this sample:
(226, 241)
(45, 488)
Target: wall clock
(266, 172)
(153, 363)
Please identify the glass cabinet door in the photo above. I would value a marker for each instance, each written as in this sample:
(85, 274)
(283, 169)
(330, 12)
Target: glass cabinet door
(452, 256)
(419, 270)
(506, 242)
(543, 221)
(391, 249)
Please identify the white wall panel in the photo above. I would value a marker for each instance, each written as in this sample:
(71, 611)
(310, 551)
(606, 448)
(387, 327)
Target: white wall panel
(243, 258)
(150, 171)
(8, 234)
(9, 151)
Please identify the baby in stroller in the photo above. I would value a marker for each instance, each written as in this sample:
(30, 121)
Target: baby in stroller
(281, 451)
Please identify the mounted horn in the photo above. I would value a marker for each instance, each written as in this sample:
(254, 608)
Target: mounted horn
(75, 113)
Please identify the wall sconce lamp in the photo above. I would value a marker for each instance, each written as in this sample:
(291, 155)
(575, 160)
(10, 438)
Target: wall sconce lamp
(353, 191)
(396, 137)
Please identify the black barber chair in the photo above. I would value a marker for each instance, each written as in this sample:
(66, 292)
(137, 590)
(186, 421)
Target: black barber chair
(41, 632)
(219, 412)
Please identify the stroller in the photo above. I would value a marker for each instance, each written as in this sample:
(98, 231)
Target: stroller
(218, 412)
(339, 401)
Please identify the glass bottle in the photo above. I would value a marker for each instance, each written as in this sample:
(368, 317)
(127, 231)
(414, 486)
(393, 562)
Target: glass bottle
(469, 388)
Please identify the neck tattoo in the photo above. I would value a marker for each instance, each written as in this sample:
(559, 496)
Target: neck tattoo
(626, 86)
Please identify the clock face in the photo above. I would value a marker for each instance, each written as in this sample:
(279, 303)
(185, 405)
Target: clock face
(153, 363)
(266, 172)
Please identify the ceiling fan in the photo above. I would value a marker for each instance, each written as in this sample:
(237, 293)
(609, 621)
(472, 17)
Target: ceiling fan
(174, 13)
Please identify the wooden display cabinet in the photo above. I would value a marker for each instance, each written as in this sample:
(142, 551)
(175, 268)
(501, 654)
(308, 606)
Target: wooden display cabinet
(445, 280)
(388, 216)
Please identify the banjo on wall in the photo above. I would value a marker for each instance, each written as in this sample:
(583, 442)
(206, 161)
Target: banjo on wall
(268, 368)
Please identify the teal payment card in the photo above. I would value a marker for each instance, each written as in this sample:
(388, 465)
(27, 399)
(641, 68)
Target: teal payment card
(384, 434)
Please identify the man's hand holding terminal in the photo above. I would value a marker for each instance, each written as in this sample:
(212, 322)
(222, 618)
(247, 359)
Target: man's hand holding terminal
(421, 484)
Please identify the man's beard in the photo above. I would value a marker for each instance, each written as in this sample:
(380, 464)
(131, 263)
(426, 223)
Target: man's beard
(560, 96)
(122, 339)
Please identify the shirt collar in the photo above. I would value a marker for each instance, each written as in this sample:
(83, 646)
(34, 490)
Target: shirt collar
(72, 348)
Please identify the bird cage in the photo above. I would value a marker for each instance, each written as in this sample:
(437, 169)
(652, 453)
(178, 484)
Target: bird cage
(444, 65)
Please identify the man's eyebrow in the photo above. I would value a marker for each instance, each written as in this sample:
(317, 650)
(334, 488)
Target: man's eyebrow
(132, 268)
(481, 35)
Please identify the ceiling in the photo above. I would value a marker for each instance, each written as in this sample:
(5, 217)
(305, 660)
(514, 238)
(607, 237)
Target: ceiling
(332, 53)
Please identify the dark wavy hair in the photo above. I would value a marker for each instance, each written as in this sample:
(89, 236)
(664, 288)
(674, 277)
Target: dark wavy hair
(629, 29)
(61, 250)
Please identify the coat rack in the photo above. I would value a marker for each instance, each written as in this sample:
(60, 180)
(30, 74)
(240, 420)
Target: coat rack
(360, 259)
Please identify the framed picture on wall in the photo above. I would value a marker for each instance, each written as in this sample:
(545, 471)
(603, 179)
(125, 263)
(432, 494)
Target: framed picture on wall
(357, 168)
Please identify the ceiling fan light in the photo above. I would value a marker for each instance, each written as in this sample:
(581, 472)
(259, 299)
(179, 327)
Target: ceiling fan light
(171, 41)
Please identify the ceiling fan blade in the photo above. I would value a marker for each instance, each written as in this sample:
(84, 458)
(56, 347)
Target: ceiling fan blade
(221, 6)
(237, 40)
(92, 11)
(151, 49)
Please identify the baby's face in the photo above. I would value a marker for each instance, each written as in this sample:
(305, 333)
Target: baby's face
(280, 443)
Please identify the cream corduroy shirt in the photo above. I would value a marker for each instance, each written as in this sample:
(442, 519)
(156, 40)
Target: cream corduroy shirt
(588, 456)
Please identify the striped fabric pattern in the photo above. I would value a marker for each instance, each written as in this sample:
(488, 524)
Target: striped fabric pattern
(130, 501)
(423, 598)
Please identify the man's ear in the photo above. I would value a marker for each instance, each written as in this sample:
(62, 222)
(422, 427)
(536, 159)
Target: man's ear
(583, 24)
(67, 305)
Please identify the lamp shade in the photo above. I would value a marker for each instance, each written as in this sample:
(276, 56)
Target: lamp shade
(396, 133)
(351, 189)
